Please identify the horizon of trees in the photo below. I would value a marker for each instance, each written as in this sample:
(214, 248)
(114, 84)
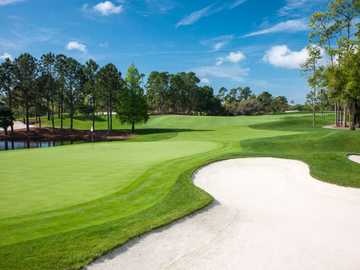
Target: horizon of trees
(333, 66)
(59, 87)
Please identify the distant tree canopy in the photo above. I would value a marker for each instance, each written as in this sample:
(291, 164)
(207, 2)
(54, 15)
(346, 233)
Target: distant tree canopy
(59, 87)
(242, 101)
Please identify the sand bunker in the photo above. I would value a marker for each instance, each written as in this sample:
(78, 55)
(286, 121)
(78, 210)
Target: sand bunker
(355, 158)
(270, 214)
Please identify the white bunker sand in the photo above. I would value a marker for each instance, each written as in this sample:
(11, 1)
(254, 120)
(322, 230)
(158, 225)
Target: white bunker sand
(270, 214)
(355, 158)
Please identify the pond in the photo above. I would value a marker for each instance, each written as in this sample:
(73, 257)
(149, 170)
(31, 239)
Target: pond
(12, 145)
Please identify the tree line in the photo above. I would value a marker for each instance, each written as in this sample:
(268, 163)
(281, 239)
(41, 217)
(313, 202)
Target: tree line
(334, 61)
(59, 87)
(180, 93)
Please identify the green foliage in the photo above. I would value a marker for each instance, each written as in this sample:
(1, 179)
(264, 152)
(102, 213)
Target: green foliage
(332, 32)
(109, 86)
(6, 117)
(242, 101)
(132, 106)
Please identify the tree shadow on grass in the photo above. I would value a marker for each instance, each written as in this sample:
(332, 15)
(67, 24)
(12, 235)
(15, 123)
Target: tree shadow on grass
(157, 134)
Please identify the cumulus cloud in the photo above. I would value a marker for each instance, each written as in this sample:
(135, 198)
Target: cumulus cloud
(105, 8)
(290, 26)
(232, 57)
(8, 2)
(5, 56)
(282, 56)
(76, 46)
(108, 8)
(232, 72)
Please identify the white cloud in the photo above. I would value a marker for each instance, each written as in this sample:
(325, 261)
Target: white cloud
(8, 2)
(235, 57)
(237, 3)
(282, 56)
(294, 7)
(4, 56)
(106, 8)
(77, 46)
(205, 81)
(207, 11)
(290, 26)
(195, 16)
(218, 43)
(232, 72)
(232, 57)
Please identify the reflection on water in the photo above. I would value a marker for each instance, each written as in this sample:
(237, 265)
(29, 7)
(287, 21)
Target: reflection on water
(11, 145)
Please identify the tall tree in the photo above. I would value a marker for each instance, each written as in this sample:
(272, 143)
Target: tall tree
(109, 85)
(311, 67)
(90, 72)
(26, 72)
(265, 100)
(222, 94)
(132, 107)
(157, 90)
(60, 67)
(245, 93)
(73, 86)
(47, 66)
(6, 120)
(7, 84)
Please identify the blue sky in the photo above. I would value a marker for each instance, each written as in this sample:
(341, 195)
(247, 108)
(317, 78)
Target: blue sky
(227, 43)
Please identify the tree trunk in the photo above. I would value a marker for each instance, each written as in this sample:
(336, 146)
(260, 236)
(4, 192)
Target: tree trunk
(336, 120)
(111, 112)
(108, 118)
(6, 141)
(93, 115)
(62, 114)
(11, 109)
(71, 115)
(27, 116)
(52, 115)
(71, 121)
(133, 127)
(39, 121)
(48, 110)
(353, 116)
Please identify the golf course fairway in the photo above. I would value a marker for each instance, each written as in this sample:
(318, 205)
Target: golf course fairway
(63, 207)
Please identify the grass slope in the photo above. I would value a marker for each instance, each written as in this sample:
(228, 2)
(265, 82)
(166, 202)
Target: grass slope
(62, 207)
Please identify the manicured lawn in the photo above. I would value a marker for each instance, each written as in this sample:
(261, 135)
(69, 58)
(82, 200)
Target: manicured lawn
(62, 207)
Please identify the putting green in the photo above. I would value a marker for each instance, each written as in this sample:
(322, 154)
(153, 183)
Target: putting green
(49, 179)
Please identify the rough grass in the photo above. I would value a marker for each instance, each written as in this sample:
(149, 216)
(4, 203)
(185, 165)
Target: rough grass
(62, 207)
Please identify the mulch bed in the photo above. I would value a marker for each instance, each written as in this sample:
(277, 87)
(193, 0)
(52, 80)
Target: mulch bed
(49, 134)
